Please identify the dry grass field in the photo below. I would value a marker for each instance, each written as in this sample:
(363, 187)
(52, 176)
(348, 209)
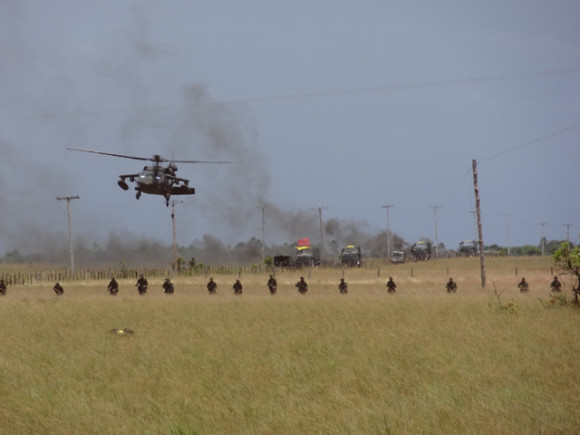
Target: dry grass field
(420, 361)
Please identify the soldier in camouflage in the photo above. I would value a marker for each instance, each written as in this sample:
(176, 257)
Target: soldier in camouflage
(343, 286)
(272, 285)
(302, 286)
(391, 286)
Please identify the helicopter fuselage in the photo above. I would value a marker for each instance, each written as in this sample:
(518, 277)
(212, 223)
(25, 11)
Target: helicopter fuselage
(157, 180)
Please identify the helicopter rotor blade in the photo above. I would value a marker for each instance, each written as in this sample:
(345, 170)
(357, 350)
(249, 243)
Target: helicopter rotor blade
(113, 154)
(199, 161)
(156, 158)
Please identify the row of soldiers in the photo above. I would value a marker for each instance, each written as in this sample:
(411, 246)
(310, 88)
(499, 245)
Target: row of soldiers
(168, 288)
(555, 285)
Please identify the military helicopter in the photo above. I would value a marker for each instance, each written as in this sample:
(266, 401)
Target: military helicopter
(155, 179)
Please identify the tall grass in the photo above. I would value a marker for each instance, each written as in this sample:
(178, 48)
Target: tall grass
(418, 361)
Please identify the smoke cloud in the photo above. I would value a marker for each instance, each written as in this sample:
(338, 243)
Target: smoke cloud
(199, 127)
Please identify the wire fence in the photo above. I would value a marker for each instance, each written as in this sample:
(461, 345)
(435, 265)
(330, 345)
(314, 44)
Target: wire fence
(58, 275)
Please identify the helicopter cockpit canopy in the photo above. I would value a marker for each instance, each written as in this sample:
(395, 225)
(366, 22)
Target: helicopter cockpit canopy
(150, 176)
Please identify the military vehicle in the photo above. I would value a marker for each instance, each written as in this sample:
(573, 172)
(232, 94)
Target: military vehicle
(398, 257)
(306, 257)
(421, 250)
(468, 248)
(351, 256)
(282, 261)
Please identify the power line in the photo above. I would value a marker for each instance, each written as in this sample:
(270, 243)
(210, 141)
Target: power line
(308, 95)
(411, 85)
(532, 142)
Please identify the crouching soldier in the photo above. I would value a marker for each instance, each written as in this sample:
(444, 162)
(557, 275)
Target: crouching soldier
(556, 285)
(58, 289)
(451, 286)
(211, 286)
(113, 286)
(343, 286)
(142, 285)
(391, 286)
(237, 287)
(2, 287)
(272, 285)
(168, 288)
(302, 286)
(523, 286)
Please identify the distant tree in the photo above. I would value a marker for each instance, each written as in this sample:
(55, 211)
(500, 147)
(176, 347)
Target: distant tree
(525, 250)
(568, 260)
(13, 257)
(551, 246)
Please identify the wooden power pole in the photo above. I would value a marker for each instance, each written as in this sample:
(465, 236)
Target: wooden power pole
(321, 233)
(388, 206)
(263, 207)
(175, 265)
(435, 207)
(479, 230)
(70, 237)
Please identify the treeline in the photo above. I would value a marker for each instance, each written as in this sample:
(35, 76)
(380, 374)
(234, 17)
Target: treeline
(211, 250)
(550, 246)
(208, 250)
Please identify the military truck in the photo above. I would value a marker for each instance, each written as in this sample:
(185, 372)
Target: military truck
(468, 248)
(351, 256)
(282, 261)
(398, 257)
(306, 257)
(421, 250)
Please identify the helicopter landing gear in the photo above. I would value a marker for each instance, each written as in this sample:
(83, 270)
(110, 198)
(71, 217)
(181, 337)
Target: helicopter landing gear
(138, 194)
(167, 200)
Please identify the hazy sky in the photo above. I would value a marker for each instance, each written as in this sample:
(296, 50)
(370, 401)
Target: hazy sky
(339, 105)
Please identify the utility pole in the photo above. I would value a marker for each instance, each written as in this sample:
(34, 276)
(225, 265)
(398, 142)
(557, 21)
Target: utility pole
(263, 207)
(543, 224)
(507, 231)
(70, 237)
(321, 233)
(479, 230)
(173, 202)
(388, 206)
(474, 224)
(435, 207)
(567, 231)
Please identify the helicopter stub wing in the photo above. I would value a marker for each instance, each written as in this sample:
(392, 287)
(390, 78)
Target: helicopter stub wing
(129, 176)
